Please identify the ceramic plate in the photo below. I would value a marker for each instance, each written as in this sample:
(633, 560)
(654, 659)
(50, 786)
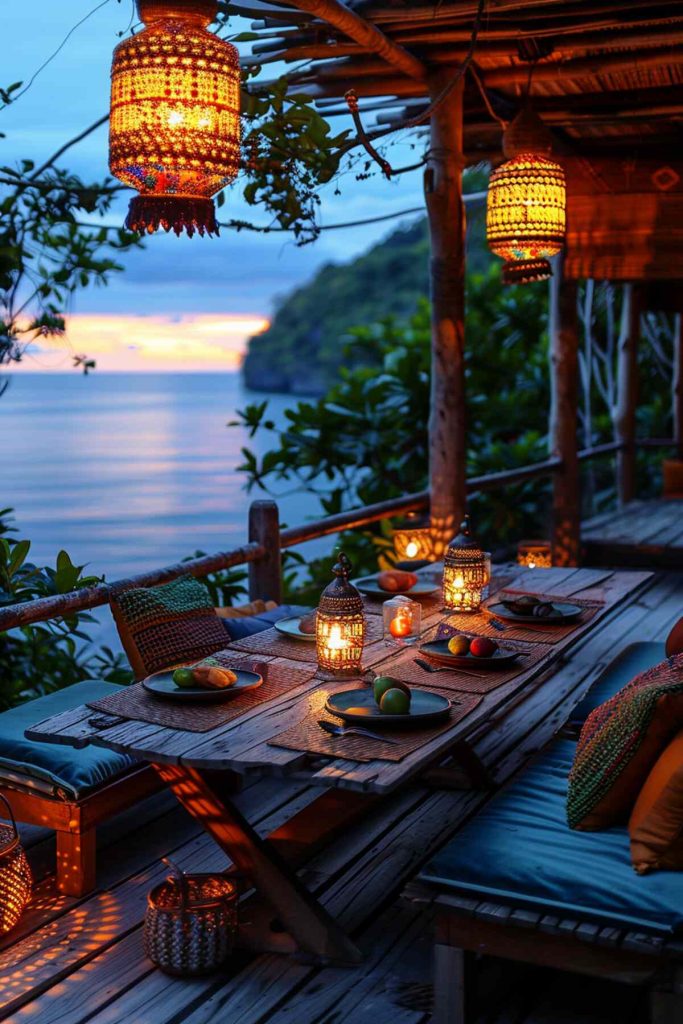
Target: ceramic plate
(369, 585)
(161, 685)
(437, 650)
(290, 627)
(426, 708)
(562, 613)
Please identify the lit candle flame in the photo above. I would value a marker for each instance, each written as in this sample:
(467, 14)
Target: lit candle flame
(411, 549)
(335, 641)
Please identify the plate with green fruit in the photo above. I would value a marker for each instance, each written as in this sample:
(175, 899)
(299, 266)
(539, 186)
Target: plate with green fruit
(201, 685)
(391, 703)
(462, 651)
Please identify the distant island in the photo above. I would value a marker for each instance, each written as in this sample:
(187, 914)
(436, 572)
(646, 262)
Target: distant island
(301, 351)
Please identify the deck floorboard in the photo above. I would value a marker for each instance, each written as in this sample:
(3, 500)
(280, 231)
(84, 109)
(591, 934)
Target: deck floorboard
(642, 533)
(80, 961)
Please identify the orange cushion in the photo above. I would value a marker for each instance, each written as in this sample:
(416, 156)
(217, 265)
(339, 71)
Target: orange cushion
(656, 824)
(674, 641)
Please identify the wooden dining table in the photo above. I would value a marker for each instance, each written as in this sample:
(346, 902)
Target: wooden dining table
(202, 768)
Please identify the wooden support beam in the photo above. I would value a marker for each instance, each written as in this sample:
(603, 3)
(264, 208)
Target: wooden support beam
(364, 33)
(446, 217)
(627, 393)
(563, 421)
(265, 575)
(678, 385)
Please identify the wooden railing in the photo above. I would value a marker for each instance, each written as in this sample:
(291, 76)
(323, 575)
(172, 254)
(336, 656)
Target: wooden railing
(262, 551)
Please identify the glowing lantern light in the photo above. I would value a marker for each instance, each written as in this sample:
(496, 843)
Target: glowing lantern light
(413, 539)
(174, 129)
(526, 203)
(340, 625)
(466, 573)
(535, 554)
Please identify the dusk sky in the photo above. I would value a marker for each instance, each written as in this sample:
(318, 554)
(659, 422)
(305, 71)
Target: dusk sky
(181, 303)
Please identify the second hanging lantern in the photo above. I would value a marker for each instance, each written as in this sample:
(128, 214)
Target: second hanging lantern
(174, 131)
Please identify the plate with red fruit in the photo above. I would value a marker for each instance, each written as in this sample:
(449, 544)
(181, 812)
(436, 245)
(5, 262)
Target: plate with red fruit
(298, 627)
(393, 582)
(460, 651)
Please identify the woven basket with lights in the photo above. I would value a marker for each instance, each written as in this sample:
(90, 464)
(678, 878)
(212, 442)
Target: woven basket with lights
(191, 922)
(15, 874)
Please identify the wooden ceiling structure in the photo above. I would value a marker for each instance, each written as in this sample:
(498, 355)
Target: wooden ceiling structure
(608, 83)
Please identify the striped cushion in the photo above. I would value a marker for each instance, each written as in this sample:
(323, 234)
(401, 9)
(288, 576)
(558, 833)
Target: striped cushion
(619, 743)
(169, 625)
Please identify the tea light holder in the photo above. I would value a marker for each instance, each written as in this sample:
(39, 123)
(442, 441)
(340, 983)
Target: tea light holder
(340, 625)
(413, 539)
(466, 573)
(535, 554)
(402, 620)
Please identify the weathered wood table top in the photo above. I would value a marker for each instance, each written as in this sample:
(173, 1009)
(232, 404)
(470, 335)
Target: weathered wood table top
(242, 744)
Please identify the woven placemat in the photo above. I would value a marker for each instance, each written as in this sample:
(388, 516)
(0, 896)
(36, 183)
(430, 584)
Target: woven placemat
(272, 643)
(137, 704)
(472, 681)
(308, 737)
(479, 623)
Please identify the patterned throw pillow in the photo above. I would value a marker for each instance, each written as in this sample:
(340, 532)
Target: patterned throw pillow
(169, 625)
(619, 743)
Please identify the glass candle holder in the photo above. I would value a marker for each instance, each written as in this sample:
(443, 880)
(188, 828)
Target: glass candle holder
(535, 554)
(402, 620)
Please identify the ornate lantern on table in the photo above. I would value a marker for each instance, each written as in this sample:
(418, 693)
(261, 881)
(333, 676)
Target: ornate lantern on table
(413, 539)
(340, 625)
(174, 129)
(466, 573)
(535, 554)
(526, 202)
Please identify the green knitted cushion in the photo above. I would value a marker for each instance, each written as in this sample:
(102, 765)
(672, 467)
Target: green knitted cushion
(168, 625)
(620, 741)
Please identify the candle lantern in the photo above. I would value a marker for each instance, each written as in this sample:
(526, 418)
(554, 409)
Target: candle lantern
(402, 620)
(174, 128)
(535, 554)
(526, 202)
(466, 573)
(340, 625)
(413, 539)
(15, 873)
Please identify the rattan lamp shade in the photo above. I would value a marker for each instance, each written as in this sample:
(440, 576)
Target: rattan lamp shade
(466, 572)
(526, 203)
(15, 873)
(174, 130)
(340, 625)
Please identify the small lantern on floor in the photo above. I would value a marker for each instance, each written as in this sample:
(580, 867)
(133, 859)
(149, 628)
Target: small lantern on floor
(466, 573)
(535, 554)
(174, 129)
(413, 539)
(15, 874)
(402, 620)
(340, 625)
(526, 202)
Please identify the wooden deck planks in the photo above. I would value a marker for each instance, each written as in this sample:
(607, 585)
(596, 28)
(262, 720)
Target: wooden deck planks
(641, 533)
(355, 877)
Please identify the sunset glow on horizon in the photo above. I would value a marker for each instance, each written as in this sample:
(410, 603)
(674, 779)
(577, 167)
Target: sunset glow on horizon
(187, 343)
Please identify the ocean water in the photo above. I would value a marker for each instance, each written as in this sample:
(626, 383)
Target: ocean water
(131, 471)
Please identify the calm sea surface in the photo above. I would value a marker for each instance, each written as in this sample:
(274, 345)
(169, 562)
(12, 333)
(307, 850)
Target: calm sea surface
(130, 471)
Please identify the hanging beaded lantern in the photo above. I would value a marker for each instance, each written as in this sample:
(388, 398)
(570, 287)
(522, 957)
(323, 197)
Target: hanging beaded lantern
(340, 625)
(526, 202)
(174, 128)
(466, 572)
(15, 874)
(413, 539)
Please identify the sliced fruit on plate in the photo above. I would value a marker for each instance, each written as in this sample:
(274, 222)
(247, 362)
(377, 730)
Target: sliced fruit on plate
(209, 677)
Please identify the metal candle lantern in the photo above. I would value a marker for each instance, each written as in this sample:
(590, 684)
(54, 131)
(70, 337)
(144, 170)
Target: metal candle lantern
(466, 573)
(526, 203)
(340, 625)
(535, 554)
(174, 129)
(413, 539)
(15, 874)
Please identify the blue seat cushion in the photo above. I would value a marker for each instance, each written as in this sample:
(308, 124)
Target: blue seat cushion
(633, 660)
(520, 851)
(50, 768)
(248, 625)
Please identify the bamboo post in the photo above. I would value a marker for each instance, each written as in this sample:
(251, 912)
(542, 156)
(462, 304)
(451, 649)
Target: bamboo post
(446, 218)
(678, 385)
(265, 574)
(563, 420)
(627, 393)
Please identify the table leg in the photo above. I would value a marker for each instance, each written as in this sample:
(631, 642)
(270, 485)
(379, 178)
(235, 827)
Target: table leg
(314, 930)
